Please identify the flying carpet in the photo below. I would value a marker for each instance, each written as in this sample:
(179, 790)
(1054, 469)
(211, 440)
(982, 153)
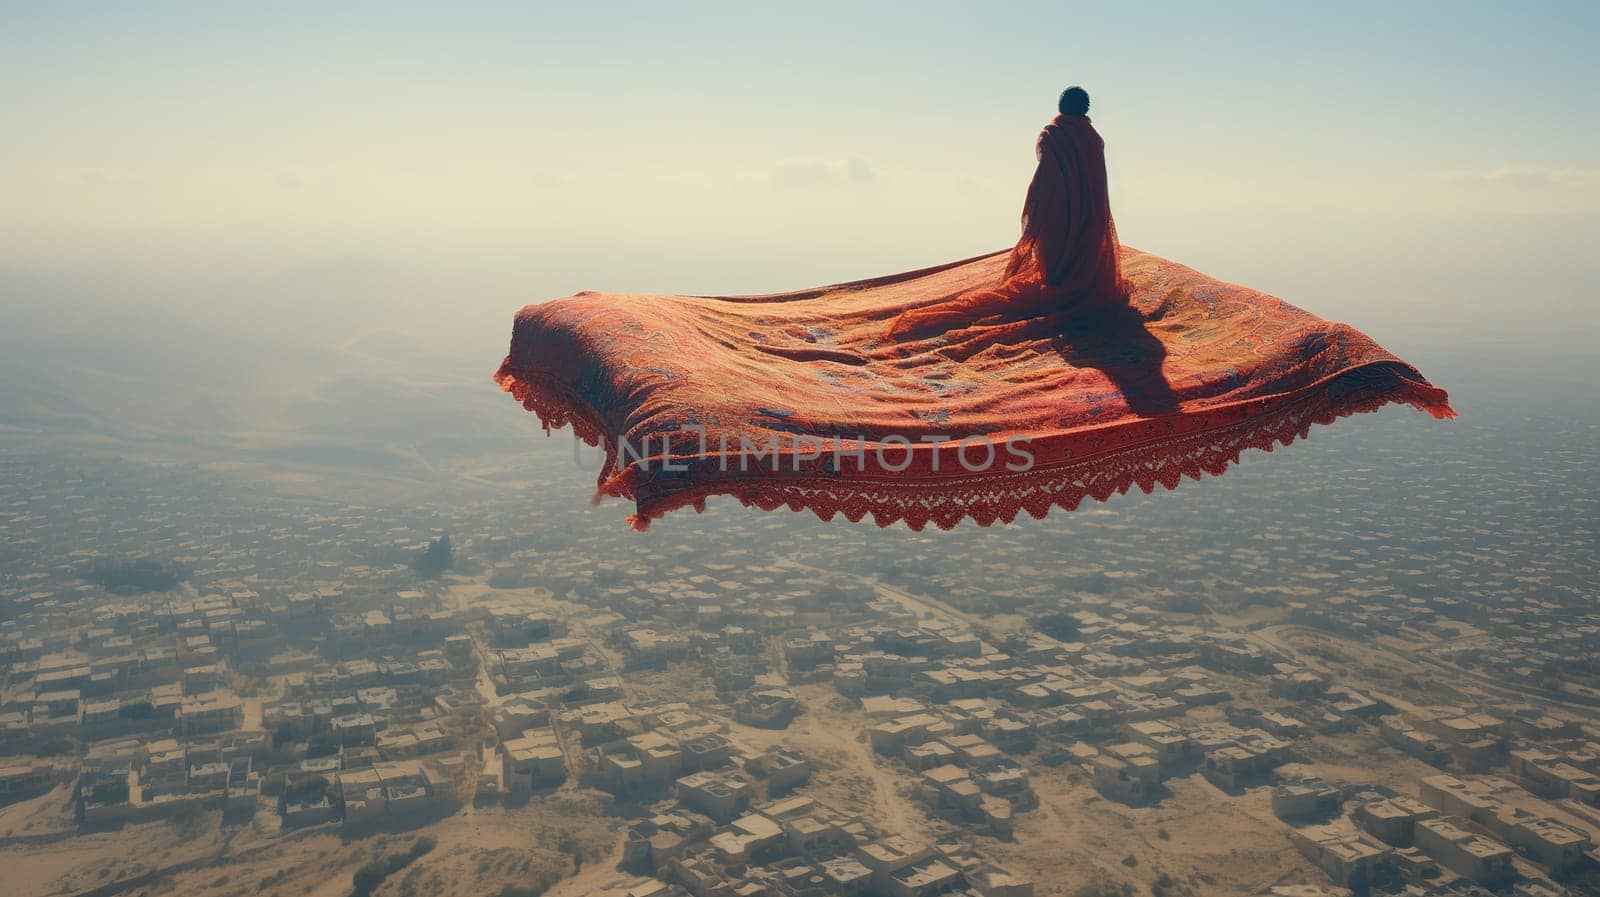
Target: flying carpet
(812, 400)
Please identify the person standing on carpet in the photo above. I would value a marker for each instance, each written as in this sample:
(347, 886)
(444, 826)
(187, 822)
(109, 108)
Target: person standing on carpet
(1069, 243)
(1068, 251)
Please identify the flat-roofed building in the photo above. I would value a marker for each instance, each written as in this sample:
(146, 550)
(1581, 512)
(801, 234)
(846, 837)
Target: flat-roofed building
(748, 838)
(1350, 860)
(25, 779)
(922, 878)
(721, 797)
(210, 713)
(533, 759)
(950, 787)
(1464, 853)
(1394, 820)
(1551, 844)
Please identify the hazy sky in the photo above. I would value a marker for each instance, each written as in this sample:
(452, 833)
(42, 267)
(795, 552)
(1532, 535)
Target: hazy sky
(1396, 165)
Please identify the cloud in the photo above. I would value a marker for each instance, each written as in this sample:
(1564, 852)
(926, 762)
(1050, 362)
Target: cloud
(1526, 178)
(805, 174)
(801, 175)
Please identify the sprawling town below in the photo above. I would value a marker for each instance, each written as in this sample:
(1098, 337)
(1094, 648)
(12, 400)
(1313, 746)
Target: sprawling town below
(216, 685)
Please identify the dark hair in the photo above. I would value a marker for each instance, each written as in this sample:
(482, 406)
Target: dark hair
(1074, 101)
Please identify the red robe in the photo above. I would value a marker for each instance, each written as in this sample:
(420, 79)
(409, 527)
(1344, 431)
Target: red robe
(1068, 251)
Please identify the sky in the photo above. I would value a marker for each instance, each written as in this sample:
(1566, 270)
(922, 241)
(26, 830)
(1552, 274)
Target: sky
(1428, 171)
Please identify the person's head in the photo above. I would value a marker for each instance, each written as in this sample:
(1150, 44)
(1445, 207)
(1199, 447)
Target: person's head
(1074, 101)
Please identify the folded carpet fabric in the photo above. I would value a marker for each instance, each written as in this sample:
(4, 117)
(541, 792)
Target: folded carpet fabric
(804, 399)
